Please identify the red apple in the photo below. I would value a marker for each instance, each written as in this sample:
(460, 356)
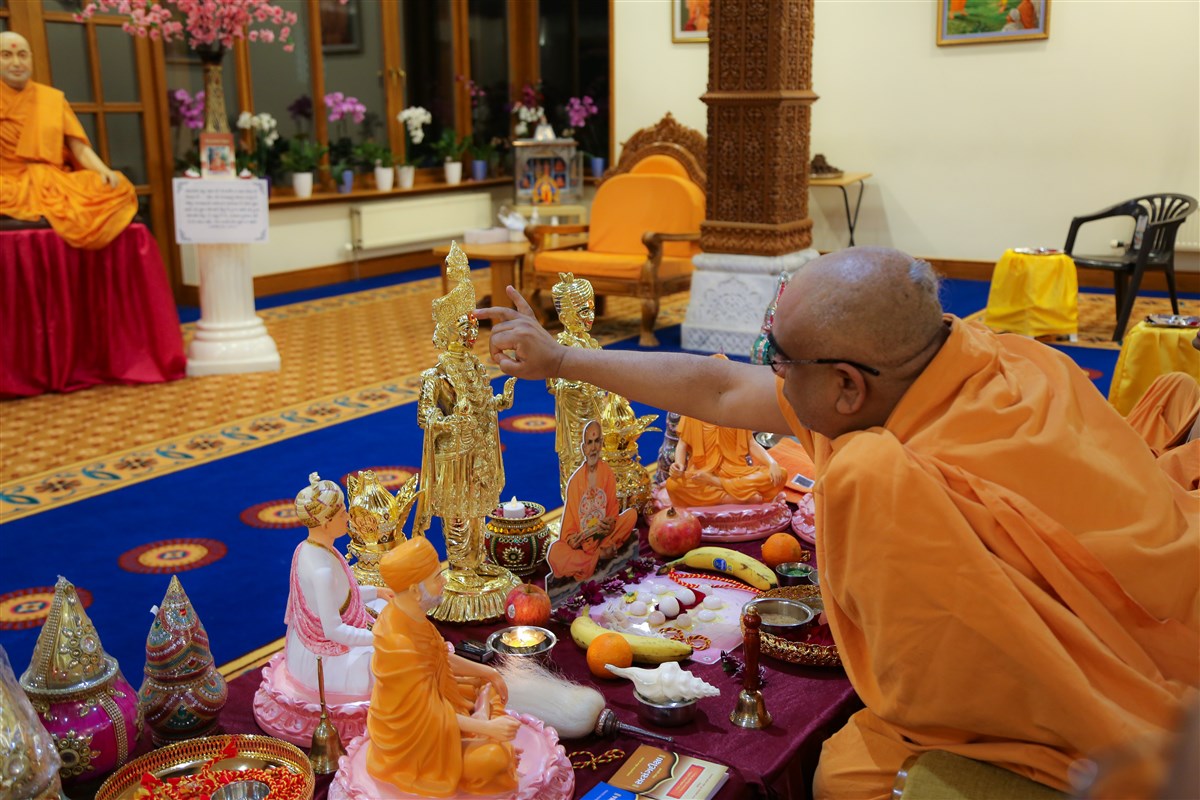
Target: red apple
(527, 605)
(674, 531)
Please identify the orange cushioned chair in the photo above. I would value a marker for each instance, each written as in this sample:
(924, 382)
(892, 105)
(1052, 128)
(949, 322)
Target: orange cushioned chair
(645, 225)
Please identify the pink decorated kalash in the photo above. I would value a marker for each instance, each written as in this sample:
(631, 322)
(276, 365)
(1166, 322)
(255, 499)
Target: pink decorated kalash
(183, 691)
(78, 692)
(327, 617)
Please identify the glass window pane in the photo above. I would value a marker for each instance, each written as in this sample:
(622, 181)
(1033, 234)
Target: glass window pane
(70, 6)
(88, 121)
(429, 67)
(352, 48)
(126, 152)
(145, 202)
(574, 49)
(118, 70)
(283, 80)
(69, 68)
(488, 25)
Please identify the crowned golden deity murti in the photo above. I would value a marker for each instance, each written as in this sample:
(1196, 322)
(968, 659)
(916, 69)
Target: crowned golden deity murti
(461, 469)
(575, 402)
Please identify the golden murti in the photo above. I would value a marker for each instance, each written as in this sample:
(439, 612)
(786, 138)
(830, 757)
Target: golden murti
(461, 469)
(715, 465)
(437, 722)
(575, 402)
(86, 203)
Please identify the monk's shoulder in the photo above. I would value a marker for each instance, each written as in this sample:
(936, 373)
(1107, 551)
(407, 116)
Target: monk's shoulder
(866, 461)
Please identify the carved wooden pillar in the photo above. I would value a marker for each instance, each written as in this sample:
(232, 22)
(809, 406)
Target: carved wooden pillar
(759, 109)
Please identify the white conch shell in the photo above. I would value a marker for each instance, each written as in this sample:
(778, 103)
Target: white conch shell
(666, 683)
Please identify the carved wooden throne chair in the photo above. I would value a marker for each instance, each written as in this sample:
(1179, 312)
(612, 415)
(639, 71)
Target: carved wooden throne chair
(645, 224)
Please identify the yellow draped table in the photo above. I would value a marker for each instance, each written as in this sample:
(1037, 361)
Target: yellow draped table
(1034, 295)
(1147, 352)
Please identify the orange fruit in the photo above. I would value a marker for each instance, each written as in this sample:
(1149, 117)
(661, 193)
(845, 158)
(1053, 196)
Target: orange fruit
(608, 648)
(779, 548)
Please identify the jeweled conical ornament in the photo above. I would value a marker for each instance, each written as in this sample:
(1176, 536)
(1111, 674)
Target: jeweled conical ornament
(183, 692)
(78, 691)
(29, 761)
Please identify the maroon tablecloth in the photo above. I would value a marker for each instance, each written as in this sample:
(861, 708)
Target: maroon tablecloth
(73, 318)
(808, 705)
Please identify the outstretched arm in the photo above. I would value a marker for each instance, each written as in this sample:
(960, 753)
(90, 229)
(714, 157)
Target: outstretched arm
(726, 393)
(86, 156)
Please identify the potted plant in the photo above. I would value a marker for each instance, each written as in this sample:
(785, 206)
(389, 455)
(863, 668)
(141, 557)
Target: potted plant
(301, 160)
(343, 175)
(483, 154)
(372, 155)
(579, 110)
(414, 119)
(449, 149)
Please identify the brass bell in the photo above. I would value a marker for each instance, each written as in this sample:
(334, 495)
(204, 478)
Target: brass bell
(326, 743)
(751, 710)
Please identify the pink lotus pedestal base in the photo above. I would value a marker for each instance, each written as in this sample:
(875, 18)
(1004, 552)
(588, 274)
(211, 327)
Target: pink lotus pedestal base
(290, 711)
(543, 768)
(736, 523)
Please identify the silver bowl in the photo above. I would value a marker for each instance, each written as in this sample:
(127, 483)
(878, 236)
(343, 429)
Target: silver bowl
(540, 650)
(242, 790)
(671, 714)
(782, 616)
(795, 573)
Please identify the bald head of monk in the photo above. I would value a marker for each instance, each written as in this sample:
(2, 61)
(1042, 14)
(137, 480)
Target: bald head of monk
(16, 60)
(859, 311)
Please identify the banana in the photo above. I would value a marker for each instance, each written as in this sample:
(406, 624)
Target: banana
(646, 649)
(722, 559)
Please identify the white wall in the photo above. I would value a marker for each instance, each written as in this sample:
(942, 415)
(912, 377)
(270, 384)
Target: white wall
(973, 148)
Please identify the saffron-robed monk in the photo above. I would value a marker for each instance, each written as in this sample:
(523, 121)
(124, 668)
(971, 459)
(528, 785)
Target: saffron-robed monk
(1007, 573)
(47, 166)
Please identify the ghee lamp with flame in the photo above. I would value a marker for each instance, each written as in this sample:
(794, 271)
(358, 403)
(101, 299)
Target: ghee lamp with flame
(522, 641)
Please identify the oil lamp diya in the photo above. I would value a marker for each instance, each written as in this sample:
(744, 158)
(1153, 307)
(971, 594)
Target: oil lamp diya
(78, 692)
(522, 641)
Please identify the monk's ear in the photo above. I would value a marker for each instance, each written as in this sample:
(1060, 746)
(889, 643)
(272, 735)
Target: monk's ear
(851, 390)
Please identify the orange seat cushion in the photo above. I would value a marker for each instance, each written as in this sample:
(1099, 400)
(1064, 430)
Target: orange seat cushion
(628, 206)
(586, 264)
(660, 164)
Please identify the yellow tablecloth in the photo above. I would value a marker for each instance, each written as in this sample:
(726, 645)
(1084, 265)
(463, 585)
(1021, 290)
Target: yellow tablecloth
(1034, 295)
(1146, 353)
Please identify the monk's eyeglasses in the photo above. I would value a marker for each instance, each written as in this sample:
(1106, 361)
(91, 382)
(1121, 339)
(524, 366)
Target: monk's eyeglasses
(778, 359)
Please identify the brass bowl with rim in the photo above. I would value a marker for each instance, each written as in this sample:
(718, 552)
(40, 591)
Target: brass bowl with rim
(805, 653)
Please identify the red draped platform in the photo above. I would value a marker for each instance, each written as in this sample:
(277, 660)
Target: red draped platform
(73, 318)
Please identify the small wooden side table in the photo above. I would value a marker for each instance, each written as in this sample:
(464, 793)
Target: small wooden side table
(841, 182)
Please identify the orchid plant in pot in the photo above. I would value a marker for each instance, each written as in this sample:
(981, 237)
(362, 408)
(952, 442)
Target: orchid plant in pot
(449, 149)
(414, 119)
(579, 111)
(374, 156)
(301, 160)
(210, 27)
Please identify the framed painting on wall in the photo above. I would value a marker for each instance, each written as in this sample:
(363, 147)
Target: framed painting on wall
(341, 27)
(982, 21)
(689, 20)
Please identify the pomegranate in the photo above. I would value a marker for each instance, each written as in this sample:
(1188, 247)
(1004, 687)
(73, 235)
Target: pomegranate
(674, 531)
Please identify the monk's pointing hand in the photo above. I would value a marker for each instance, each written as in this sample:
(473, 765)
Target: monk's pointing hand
(519, 345)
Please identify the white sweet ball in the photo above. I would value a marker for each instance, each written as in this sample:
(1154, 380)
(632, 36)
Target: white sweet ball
(656, 618)
(705, 615)
(637, 609)
(705, 588)
(685, 596)
(684, 620)
(662, 589)
(669, 606)
(712, 601)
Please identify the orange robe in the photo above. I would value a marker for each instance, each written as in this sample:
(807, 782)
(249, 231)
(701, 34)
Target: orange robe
(587, 505)
(1165, 414)
(35, 181)
(1007, 574)
(415, 742)
(725, 453)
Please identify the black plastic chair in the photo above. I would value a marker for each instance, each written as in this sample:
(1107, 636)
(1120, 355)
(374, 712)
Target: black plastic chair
(1157, 218)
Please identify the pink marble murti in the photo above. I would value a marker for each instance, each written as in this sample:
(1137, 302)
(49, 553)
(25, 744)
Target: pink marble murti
(735, 522)
(288, 710)
(543, 769)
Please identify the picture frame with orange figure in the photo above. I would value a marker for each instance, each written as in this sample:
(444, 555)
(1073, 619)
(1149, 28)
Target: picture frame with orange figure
(689, 20)
(984, 21)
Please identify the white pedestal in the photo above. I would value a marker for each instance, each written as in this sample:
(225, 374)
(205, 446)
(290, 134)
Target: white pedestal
(230, 337)
(730, 294)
